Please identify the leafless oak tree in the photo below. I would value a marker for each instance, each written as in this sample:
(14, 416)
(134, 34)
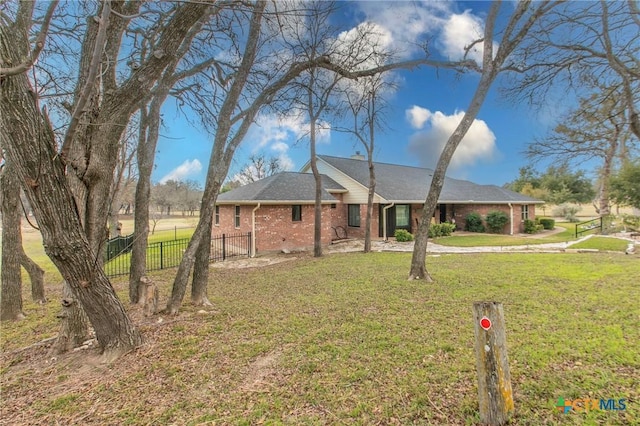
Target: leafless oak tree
(72, 215)
(523, 18)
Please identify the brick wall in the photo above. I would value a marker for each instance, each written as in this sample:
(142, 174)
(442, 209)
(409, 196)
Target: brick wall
(358, 232)
(275, 229)
(461, 211)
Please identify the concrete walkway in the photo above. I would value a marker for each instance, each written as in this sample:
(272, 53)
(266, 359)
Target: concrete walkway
(433, 248)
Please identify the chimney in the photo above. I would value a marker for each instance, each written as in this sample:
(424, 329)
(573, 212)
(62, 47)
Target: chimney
(357, 156)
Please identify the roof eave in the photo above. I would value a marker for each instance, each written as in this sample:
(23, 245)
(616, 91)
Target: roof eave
(269, 202)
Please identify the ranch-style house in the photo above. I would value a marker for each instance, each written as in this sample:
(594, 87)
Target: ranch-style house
(279, 210)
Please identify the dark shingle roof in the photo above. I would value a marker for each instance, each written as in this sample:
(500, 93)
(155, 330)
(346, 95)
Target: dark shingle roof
(410, 184)
(281, 187)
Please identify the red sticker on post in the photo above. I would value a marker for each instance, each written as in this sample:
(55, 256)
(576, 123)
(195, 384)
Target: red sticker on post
(485, 323)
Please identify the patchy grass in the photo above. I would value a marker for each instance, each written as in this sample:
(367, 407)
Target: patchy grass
(346, 339)
(603, 244)
(493, 240)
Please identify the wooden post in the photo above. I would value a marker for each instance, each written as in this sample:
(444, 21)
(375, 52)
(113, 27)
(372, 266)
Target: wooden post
(494, 382)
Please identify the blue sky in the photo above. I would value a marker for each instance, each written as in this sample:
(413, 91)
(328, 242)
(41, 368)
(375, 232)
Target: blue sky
(422, 112)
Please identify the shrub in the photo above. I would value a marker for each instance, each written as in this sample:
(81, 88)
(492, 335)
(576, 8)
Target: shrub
(568, 211)
(441, 229)
(547, 223)
(496, 220)
(531, 227)
(631, 222)
(473, 223)
(402, 235)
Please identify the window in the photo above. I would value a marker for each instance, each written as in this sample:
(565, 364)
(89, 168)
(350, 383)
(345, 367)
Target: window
(354, 215)
(296, 213)
(333, 205)
(403, 216)
(217, 222)
(525, 212)
(237, 223)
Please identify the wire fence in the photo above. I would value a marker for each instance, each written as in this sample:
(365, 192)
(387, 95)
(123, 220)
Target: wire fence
(168, 254)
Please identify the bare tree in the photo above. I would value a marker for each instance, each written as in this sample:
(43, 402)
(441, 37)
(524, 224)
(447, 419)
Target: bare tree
(525, 15)
(123, 176)
(73, 217)
(241, 88)
(597, 43)
(13, 254)
(149, 131)
(595, 130)
(11, 300)
(259, 167)
(366, 104)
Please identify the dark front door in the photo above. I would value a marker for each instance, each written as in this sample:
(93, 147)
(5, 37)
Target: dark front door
(443, 213)
(391, 221)
(398, 217)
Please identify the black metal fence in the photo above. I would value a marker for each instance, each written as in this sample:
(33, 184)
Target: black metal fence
(168, 254)
(119, 245)
(230, 245)
(594, 225)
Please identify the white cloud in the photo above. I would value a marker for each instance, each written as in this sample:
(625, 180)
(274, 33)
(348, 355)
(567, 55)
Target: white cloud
(477, 145)
(277, 132)
(458, 32)
(406, 22)
(409, 23)
(417, 116)
(184, 170)
(370, 41)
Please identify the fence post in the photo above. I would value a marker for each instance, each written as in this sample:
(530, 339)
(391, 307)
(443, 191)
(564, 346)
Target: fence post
(161, 255)
(249, 245)
(494, 382)
(224, 247)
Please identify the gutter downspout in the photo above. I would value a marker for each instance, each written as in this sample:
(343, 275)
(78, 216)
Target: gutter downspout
(384, 220)
(511, 215)
(253, 230)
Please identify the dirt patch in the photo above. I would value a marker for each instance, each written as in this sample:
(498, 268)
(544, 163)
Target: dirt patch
(259, 371)
(255, 262)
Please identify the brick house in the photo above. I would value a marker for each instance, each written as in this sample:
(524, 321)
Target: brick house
(279, 210)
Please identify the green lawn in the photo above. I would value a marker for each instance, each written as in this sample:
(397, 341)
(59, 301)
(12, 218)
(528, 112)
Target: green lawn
(603, 244)
(346, 339)
(479, 240)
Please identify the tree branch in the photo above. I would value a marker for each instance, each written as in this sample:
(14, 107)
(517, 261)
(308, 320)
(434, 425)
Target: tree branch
(39, 44)
(93, 72)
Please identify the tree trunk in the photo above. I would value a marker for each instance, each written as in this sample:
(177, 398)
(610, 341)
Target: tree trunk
(145, 158)
(418, 261)
(31, 149)
(11, 297)
(372, 186)
(188, 259)
(372, 180)
(74, 327)
(36, 275)
(201, 269)
(612, 149)
(317, 220)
